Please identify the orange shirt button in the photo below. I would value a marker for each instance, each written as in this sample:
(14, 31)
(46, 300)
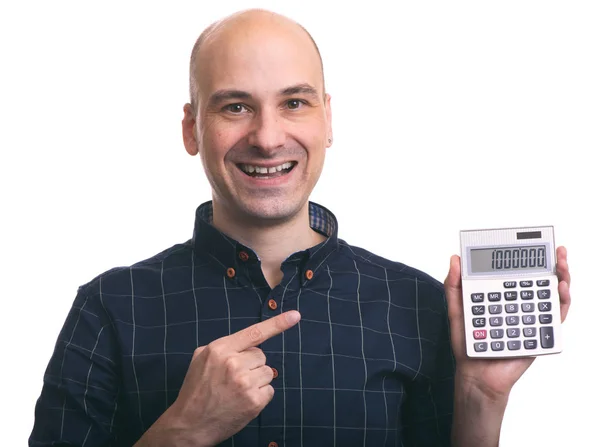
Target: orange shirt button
(243, 256)
(275, 373)
(309, 274)
(272, 304)
(272, 444)
(230, 272)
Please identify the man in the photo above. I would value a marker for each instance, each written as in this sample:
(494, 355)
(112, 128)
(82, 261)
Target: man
(266, 329)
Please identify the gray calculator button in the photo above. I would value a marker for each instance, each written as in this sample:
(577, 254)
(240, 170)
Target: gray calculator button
(510, 284)
(545, 306)
(477, 297)
(497, 333)
(478, 322)
(529, 332)
(545, 318)
(478, 310)
(543, 282)
(511, 308)
(530, 344)
(512, 320)
(526, 294)
(543, 294)
(528, 319)
(513, 332)
(510, 296)
(494, 296)
(480, 346)
(514, 345)
(527, 307)
(496, 321)
(526, 283)
(495, 308)
(547, 336)
(497, 345)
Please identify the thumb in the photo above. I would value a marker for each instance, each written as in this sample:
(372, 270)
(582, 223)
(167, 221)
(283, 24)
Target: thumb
(453, 288)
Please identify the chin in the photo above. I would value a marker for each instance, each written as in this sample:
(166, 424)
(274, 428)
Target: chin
(272, 210)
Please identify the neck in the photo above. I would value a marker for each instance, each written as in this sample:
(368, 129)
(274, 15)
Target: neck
(273, 241)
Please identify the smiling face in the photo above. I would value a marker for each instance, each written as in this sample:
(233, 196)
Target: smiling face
(262, 120)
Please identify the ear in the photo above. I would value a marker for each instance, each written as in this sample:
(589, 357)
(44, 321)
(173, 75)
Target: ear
(328, 114)
(188, 130)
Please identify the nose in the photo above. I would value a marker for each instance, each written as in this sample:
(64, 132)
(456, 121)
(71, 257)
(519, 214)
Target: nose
(267, 133)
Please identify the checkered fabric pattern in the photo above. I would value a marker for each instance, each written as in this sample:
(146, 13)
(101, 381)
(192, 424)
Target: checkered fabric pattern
(369, 364)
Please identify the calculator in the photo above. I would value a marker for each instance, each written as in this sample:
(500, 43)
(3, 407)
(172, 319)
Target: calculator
(510, 292)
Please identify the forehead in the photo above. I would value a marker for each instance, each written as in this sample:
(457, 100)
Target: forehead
(257, 59)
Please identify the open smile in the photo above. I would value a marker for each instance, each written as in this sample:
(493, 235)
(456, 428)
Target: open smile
(267, 172)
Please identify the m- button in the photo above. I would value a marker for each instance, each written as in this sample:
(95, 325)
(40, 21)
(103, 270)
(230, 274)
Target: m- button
(272, 304)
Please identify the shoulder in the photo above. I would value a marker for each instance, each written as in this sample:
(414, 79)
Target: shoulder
(120, 280)
(375, 264)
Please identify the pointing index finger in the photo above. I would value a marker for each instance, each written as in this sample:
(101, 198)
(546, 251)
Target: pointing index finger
(260, 332)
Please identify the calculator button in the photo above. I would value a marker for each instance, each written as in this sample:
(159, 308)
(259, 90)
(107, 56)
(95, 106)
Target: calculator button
(547, 337)
(513, 332)
(497, 333)
(543, 294)
(510, 296)
(480, 334)
(481, 346)
(478, 322)
(526, 283)
(514, 345)
(543, 282)
(511, 308)
(545, 318)
(527, 307)
(545, 306)
(512, 320)
(527, 294)
(496, 321)
(529, 332)
(510, 284)
(497, 345)
(478, 310)
(530, 344)
(528, 319)
(494, 296)
(477, 297)
(495, 308)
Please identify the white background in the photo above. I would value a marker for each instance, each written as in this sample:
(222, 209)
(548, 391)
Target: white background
(447, 116)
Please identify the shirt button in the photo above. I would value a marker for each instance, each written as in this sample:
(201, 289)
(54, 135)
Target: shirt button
(273, 444)
(308, 274)
(243, 256)
(272, 304)
(275, 373)
(230, 272)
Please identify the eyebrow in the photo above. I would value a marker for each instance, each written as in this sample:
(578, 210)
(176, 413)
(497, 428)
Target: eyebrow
(221, 96)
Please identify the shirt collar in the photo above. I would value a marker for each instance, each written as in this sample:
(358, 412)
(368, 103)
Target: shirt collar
(229, 253)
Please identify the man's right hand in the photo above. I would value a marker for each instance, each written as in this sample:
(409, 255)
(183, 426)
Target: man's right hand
(226, 386)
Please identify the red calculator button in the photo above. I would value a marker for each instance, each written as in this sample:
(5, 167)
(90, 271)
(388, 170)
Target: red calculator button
(480, 334)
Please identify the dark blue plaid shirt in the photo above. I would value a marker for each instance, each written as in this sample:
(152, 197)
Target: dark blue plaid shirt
(369, 364)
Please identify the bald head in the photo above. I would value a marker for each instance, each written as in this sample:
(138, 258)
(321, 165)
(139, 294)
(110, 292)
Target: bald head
(240, 26)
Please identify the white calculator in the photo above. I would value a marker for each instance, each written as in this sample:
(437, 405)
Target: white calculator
(510, 292)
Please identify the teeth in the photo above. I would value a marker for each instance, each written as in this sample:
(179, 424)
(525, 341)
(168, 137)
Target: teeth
(263, 170)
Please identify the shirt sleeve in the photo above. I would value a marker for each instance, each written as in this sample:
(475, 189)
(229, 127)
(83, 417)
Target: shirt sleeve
(79, 397)
(428, 410)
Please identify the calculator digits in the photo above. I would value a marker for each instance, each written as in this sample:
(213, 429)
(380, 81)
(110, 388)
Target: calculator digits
(510, 292)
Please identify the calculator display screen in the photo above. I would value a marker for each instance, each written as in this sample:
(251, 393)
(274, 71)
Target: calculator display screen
(506, 259)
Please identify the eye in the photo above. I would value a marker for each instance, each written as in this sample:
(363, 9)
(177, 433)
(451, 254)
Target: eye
(236, 108)
(294, 104)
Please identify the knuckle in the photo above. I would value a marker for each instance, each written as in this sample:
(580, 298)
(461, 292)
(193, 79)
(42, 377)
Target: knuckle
(241, 382)
(255, 334)
(231, 364)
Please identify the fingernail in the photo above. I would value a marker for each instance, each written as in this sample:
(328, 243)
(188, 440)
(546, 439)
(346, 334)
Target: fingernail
(292, 317)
